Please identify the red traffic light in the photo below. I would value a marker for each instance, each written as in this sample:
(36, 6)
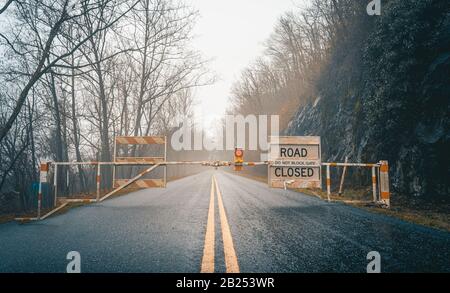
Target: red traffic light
(238, 159)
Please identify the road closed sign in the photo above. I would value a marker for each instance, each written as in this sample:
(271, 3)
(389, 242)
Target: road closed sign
(295, 161)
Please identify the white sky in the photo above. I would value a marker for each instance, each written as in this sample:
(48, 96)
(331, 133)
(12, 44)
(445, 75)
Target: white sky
(232, 33)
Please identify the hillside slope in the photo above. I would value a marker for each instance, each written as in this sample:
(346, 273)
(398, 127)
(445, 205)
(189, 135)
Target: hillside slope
(385, 94)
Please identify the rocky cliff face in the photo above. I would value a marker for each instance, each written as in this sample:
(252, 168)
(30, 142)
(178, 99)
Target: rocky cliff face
(385, 95)
(340, 131)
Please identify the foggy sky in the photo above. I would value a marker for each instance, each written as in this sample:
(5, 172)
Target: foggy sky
(232, 32)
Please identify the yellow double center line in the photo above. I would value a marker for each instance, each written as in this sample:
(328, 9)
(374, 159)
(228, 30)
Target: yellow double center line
(231, 262)
(208, 250)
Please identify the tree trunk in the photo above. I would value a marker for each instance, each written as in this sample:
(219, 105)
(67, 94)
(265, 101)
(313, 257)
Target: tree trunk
(62, 172)
(75, 129)
(105, 155)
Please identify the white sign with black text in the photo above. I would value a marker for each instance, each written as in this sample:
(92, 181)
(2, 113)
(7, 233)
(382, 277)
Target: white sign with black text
(296, 159)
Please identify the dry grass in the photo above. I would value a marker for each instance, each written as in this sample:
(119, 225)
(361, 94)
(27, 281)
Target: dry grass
(6, 218)
(435, 214)
(427, 214)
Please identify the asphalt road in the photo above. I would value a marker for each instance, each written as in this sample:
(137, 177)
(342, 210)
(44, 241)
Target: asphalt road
(270, 230)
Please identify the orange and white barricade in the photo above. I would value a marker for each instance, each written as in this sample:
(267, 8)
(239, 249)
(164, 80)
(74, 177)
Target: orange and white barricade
(140, 140)
(385, 194)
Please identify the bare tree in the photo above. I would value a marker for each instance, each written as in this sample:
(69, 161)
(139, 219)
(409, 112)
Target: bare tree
(47, 21)
(297, 50)
(163, 64)
(77, 73)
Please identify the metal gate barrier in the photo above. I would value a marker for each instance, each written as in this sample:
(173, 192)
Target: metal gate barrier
(380, 170)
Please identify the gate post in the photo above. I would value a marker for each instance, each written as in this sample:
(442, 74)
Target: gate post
(42, 179)
(384, 183)
(344, 170)
(98, 179)
(55, 183)
(328, 182)
(374, 184)
(114, 167)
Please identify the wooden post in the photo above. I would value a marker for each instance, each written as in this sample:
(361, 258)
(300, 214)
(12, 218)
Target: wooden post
(342, 177)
